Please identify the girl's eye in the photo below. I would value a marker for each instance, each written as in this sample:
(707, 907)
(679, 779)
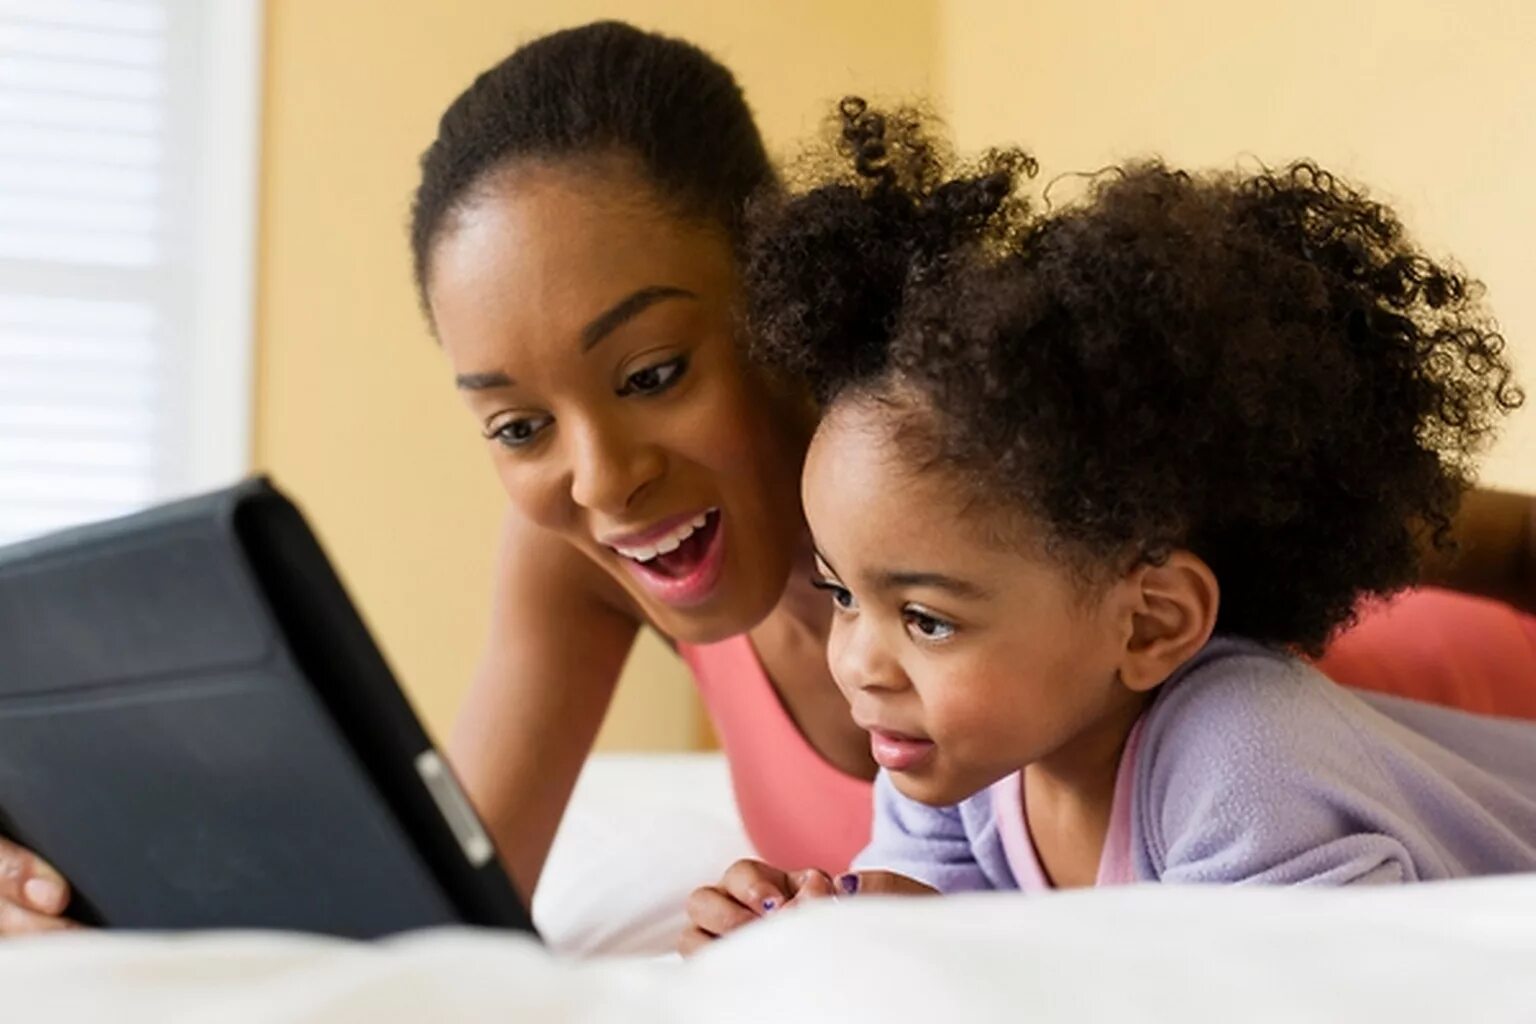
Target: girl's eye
(927, 627)
(653, 380)
(841, 595)
(519, 433)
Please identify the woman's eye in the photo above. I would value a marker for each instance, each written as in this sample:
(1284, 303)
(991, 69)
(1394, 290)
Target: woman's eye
(928, 627)
(654, 379)
(520, 432)
(841, 595)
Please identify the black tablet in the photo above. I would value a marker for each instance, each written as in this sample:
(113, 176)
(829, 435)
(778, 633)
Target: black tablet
(198, 731)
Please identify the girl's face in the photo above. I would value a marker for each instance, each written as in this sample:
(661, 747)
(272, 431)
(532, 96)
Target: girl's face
(592, 336)
(964, 660)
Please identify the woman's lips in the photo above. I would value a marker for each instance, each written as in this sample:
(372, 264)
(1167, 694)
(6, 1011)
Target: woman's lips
(896, 752)
(687, 576)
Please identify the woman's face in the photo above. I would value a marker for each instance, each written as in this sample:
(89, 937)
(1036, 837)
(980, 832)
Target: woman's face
(592, 335)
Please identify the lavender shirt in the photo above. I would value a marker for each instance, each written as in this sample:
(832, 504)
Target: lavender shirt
(1253, 767)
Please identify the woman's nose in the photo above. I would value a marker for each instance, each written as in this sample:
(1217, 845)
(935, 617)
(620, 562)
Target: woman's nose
(611, 468)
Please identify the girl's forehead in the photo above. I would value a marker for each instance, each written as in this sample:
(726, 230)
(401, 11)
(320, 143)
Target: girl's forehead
(875, 472)
(857, 459)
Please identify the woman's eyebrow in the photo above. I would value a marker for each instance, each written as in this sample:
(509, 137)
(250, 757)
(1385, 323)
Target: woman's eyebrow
(483, 381)
(627, 309)
(604, 324)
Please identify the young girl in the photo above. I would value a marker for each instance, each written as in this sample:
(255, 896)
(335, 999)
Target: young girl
(1088, 487)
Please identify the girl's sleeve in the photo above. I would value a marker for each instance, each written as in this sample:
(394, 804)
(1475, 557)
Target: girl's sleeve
(1261, 783)
(929, 844)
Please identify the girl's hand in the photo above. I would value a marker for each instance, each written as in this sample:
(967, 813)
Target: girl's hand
(749, 890)
(881, 883)
(32, 894)
(752, 889)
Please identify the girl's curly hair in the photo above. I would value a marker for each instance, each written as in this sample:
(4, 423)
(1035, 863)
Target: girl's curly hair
(1260, 368)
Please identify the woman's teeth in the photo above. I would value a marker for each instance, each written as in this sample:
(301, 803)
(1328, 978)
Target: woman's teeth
(671, 542)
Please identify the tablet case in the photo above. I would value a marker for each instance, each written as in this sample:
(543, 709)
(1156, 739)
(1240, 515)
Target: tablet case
(198, 731)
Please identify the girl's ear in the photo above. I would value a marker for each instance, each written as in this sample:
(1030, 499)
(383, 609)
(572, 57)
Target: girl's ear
(1173, 612)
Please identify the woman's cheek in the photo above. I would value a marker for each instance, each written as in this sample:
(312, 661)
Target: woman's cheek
(713, 430)
(535, 492)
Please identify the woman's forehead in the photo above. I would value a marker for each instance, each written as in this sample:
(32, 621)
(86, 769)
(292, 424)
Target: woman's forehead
(547, 254)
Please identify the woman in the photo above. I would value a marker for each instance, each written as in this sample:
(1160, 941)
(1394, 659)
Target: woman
(574, 236)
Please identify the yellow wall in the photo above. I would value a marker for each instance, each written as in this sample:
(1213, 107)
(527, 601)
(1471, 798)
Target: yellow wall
(355, 414)
(1431, 102)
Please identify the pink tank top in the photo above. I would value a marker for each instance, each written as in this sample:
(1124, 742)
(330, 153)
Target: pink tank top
(800, 811)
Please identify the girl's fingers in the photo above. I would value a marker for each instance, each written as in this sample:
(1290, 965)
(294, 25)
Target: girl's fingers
(759, 886)
(880, 883)
(692, 940)
(812, 884)
(716, 912)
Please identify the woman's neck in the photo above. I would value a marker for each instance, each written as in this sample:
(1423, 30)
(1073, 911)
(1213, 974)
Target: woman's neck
(802, 604)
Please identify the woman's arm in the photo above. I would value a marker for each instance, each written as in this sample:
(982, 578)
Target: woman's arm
(1495, 534)
(560, 632)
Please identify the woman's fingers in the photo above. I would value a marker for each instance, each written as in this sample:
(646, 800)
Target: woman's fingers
(30, 882)
(18, 920)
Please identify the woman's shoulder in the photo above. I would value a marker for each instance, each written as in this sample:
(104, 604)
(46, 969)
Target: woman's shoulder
(533, 563)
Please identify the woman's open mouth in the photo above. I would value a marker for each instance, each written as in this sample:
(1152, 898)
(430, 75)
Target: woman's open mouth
(681, 566)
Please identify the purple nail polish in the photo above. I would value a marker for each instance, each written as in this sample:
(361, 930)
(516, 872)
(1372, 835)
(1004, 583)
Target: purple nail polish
(849, 884)
(770, 905)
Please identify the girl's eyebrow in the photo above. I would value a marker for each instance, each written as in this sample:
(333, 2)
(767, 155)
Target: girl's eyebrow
(898, 579)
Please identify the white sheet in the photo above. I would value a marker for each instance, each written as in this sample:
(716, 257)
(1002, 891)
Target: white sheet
(643, 831)
(1450, 952)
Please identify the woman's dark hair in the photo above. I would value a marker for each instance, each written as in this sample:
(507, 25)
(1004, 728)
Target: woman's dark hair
(604, 87)
(1260, 368)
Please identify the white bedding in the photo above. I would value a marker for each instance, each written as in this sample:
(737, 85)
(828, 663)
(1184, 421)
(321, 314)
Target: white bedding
(642, 832)
(1444, 953)
(1450, 952)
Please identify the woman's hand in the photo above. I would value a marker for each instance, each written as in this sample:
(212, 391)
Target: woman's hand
(32, 894)
(751, 889)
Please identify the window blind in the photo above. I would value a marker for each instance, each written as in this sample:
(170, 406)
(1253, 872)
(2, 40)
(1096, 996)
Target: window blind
(125, 213)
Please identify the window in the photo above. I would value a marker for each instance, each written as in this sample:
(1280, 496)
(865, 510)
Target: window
(128, 136)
